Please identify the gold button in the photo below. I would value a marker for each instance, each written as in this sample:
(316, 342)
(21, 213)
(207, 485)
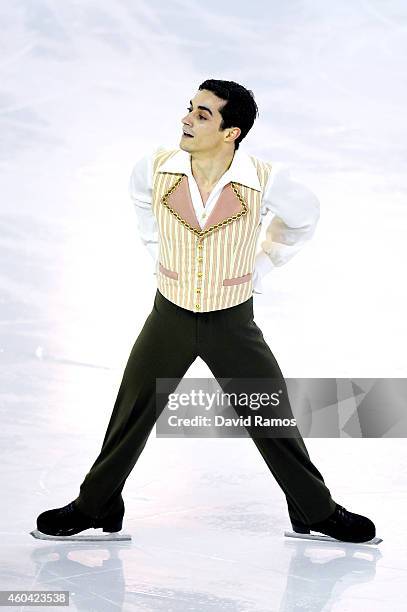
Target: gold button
(198, 291)
(200, 258)
(200, 246)
(197, 306)
(199, 274)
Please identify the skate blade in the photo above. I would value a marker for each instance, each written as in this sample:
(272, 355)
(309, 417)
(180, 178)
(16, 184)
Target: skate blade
(108, 537)
(325, 538)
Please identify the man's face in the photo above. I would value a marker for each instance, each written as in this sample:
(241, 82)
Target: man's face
(202, 121)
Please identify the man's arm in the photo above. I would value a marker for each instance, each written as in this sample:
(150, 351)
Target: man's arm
(296, 213)
(140, 190)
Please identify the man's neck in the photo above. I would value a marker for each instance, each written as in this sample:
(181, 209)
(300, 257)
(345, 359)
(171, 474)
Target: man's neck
(207, 170)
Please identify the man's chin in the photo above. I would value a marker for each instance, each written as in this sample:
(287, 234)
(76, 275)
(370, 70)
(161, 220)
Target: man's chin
(183, 144)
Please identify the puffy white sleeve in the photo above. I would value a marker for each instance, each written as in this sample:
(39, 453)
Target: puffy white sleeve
(296, 211)
(140, 190)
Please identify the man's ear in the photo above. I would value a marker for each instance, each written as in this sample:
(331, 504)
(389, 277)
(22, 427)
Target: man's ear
(235, 131)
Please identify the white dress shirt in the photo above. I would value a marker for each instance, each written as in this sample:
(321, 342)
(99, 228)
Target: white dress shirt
(296, 209)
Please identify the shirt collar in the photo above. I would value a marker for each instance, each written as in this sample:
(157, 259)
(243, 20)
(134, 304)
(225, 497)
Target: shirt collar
(242, 169)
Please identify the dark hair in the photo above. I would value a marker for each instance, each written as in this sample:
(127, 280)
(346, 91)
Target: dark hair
(239, 111)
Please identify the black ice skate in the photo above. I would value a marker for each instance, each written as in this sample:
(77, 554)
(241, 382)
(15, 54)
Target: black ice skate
(66, 522)
(341, 525)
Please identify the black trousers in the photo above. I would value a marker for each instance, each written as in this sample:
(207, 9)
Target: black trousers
(232, 345)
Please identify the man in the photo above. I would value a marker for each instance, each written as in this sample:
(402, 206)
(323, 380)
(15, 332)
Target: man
(200, 209)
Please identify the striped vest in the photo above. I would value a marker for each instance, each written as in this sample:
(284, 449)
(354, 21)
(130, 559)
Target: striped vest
(210, 268)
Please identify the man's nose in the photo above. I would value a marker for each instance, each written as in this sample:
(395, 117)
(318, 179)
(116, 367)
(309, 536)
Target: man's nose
(187, 118)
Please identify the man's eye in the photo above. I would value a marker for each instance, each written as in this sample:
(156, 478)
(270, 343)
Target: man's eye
(189, 109)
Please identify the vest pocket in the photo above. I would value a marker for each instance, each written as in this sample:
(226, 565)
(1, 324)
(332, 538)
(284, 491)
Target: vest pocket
(167, 272)
(237, 280)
